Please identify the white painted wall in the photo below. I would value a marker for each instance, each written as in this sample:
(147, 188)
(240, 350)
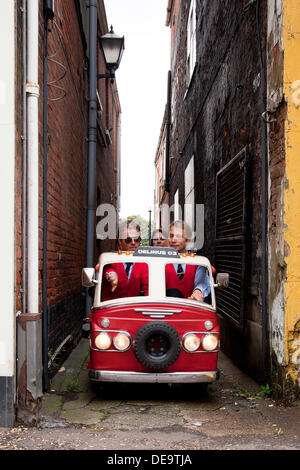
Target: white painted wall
(189, 198)
(7, 189)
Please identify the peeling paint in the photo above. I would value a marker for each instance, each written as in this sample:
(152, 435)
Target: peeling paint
(296, 94)
(277, 325)
(291, 83)
(294, 350)
(295, 357)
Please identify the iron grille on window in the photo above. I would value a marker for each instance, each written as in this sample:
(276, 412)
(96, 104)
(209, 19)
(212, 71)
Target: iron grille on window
(231, 194)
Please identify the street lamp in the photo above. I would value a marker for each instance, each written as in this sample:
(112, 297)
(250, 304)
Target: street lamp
(112, 47)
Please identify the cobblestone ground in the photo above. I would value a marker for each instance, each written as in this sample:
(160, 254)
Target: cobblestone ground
(233, 415)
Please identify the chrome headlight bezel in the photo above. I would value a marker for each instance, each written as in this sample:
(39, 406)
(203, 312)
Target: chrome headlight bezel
(127, 336)
(189, 336)
(103, 334)
(215, 342)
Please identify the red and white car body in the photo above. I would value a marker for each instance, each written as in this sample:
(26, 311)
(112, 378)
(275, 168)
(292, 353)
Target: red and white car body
(153, 338)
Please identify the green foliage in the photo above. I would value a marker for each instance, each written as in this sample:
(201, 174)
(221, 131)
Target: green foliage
(103, 413)
(266, 392)
(72, 385)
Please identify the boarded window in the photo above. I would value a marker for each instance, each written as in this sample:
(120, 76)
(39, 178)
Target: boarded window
(231, 224)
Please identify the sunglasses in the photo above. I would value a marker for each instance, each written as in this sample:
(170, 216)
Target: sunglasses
(132, 239)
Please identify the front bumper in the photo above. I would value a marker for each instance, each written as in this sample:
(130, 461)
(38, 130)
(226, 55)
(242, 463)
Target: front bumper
(153, 377)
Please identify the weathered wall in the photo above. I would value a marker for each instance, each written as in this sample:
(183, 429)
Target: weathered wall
(214, 119)
(291, 87)
(276, 116)
(284, 141)
(67, 166)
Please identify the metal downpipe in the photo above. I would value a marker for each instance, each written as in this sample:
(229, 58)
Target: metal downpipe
(264, 209)
(168, 130)
(24, 160)
(92, 138)
(45, 200)
(32, 89)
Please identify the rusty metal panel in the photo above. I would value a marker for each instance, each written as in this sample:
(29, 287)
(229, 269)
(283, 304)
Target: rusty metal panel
(231, 235)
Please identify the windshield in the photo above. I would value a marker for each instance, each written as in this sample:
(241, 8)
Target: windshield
(187, 281)
(155, 279)
(124, 280)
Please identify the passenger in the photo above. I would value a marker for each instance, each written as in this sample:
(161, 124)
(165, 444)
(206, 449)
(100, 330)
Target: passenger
(126, 279)
(184, 280)
(159, 238)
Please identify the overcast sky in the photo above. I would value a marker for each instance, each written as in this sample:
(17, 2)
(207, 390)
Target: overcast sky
(142, 85)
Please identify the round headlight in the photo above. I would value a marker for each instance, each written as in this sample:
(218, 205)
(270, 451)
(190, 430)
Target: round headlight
(210, 342)
(103, 341)
(191, 342)
(208, 325)
(121, 341)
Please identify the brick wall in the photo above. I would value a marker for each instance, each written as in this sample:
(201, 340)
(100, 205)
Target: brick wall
(216, 118)
(67, 163)
(67, 169)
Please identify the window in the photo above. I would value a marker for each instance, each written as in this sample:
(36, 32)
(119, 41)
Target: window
(189, 193)
(191, 42)
(132, 280)
(177, 211)
(182, 279)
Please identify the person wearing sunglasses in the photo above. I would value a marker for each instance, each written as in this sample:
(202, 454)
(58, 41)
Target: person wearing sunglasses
(184, 280)
(159, 238)
(126, 279)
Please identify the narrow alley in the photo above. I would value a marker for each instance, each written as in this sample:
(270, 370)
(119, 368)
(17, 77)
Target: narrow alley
(150, 188)
(236, 414)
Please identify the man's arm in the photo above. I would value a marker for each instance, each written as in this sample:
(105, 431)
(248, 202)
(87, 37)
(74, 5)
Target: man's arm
(201, 285)
(112, 277)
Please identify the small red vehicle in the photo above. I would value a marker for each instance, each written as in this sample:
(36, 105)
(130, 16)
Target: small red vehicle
(153, 338)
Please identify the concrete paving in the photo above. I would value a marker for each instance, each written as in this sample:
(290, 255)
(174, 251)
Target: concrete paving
(233, 415)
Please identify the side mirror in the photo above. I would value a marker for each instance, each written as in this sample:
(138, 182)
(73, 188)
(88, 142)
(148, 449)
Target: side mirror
(85, 328)
(88, 277)
(222, 280)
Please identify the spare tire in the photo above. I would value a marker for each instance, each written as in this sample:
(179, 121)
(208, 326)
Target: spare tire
(157, 345)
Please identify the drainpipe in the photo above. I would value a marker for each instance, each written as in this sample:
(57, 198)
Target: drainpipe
(92, 139)
(168, 128)
(118, 187)
(32, 89)
(47, 16)
(24, 160)
(264, 245)
(264, 208)
(29, 332)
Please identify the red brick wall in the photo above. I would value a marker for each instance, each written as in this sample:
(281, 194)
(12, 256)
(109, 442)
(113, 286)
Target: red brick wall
(67, 121)
(67, 170)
